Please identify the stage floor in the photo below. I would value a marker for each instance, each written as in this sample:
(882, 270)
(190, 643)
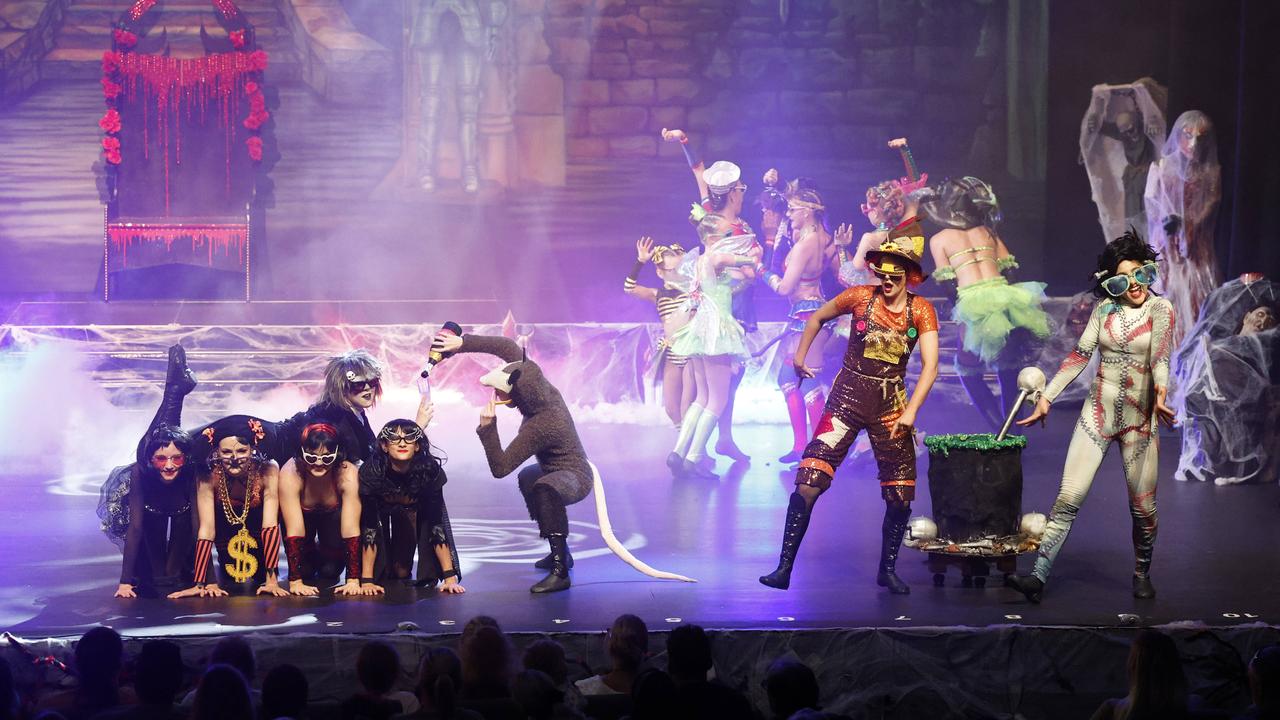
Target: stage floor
(1214, 561)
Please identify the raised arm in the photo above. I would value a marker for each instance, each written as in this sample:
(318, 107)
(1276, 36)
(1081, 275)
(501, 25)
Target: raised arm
(695, 163)
(644, 253)
(528, 441)
(503, 347)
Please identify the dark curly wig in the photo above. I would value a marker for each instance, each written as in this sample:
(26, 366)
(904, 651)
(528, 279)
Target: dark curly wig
(1129, 246)
(424, 469)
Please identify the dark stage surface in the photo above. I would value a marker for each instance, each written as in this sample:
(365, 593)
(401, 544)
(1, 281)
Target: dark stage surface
(1214, 563)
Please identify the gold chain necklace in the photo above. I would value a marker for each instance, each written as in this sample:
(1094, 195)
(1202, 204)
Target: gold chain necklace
(227, 510)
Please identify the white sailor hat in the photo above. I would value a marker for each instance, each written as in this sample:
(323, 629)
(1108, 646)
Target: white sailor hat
(721, 177)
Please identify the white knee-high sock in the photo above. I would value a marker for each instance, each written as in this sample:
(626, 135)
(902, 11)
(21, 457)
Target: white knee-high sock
(687, 425)
(702, 433)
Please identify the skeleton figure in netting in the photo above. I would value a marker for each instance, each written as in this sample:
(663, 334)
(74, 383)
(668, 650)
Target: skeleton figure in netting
(1119, 139)
(1132, 328)
(1182, 196)
(1226, 388)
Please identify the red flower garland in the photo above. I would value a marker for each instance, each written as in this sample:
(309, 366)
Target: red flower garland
(110, 122)
(111, 89)
(124, 41)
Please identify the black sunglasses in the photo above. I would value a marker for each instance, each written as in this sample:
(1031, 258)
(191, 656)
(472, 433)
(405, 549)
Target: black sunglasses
(362, 385)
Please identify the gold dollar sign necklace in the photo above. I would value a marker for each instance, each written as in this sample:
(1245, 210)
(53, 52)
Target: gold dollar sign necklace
(239, 547)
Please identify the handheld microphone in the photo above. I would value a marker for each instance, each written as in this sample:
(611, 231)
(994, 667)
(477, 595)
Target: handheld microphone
(435, 356)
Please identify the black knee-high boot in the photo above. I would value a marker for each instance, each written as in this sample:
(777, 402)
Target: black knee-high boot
(178, 383)
(798, 514)
(553, 524)
(891, 532)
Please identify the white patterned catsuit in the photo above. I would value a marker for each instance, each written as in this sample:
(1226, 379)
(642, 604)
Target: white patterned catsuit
(1135, 346)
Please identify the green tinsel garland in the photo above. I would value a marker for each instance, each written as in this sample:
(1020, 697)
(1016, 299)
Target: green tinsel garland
(982, 442)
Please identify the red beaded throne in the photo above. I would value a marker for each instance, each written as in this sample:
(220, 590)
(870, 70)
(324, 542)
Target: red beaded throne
(182, 151)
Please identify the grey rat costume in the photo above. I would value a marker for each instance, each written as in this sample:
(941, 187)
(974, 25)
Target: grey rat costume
(562, 475)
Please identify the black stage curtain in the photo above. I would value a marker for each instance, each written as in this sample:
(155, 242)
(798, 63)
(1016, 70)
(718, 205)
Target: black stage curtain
(1215, 56)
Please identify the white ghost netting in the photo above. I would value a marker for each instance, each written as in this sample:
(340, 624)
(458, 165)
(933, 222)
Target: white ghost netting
(1183, 191)
(1120, 136)
(1227, 392)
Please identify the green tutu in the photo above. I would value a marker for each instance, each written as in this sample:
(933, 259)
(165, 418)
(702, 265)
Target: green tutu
(991, 309)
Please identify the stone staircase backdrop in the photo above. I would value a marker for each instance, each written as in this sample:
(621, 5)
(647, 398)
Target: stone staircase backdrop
(818, 94)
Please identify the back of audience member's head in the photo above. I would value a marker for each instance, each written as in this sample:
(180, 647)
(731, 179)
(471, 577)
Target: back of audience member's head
(537, 694)
(222, 694)
(284, 693)
(688, 654)
(235, 651)
(49, 715)
(791, 687)
(547, 656)
(486, 664)
(98, 657)
(653, 696)
(377, 667)
(474, 624)
(628, 643)
(1264, 679)
(439, 677)
(159, 672)
(1157, 685)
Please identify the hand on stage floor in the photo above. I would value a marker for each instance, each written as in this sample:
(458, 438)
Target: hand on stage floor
(273, 588)
(906, 423)
(1163, 413)
(297, 587)
(350, 588)
(371, 589)
(1040, 413)
(446, 342)
(198, 591)
(125, 591)
(451, 586)
(489, 415)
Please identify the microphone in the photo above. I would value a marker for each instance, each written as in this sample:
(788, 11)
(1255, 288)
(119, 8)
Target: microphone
(435, 356)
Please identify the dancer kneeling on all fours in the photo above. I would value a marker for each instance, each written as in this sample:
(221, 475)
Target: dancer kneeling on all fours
(402, 488)
(237, 506)
(147, 507)
(320, 507)
(1133, 328)
(870, 393)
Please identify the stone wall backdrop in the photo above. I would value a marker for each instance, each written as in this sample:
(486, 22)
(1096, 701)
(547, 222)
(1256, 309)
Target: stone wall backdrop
(836, 78)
